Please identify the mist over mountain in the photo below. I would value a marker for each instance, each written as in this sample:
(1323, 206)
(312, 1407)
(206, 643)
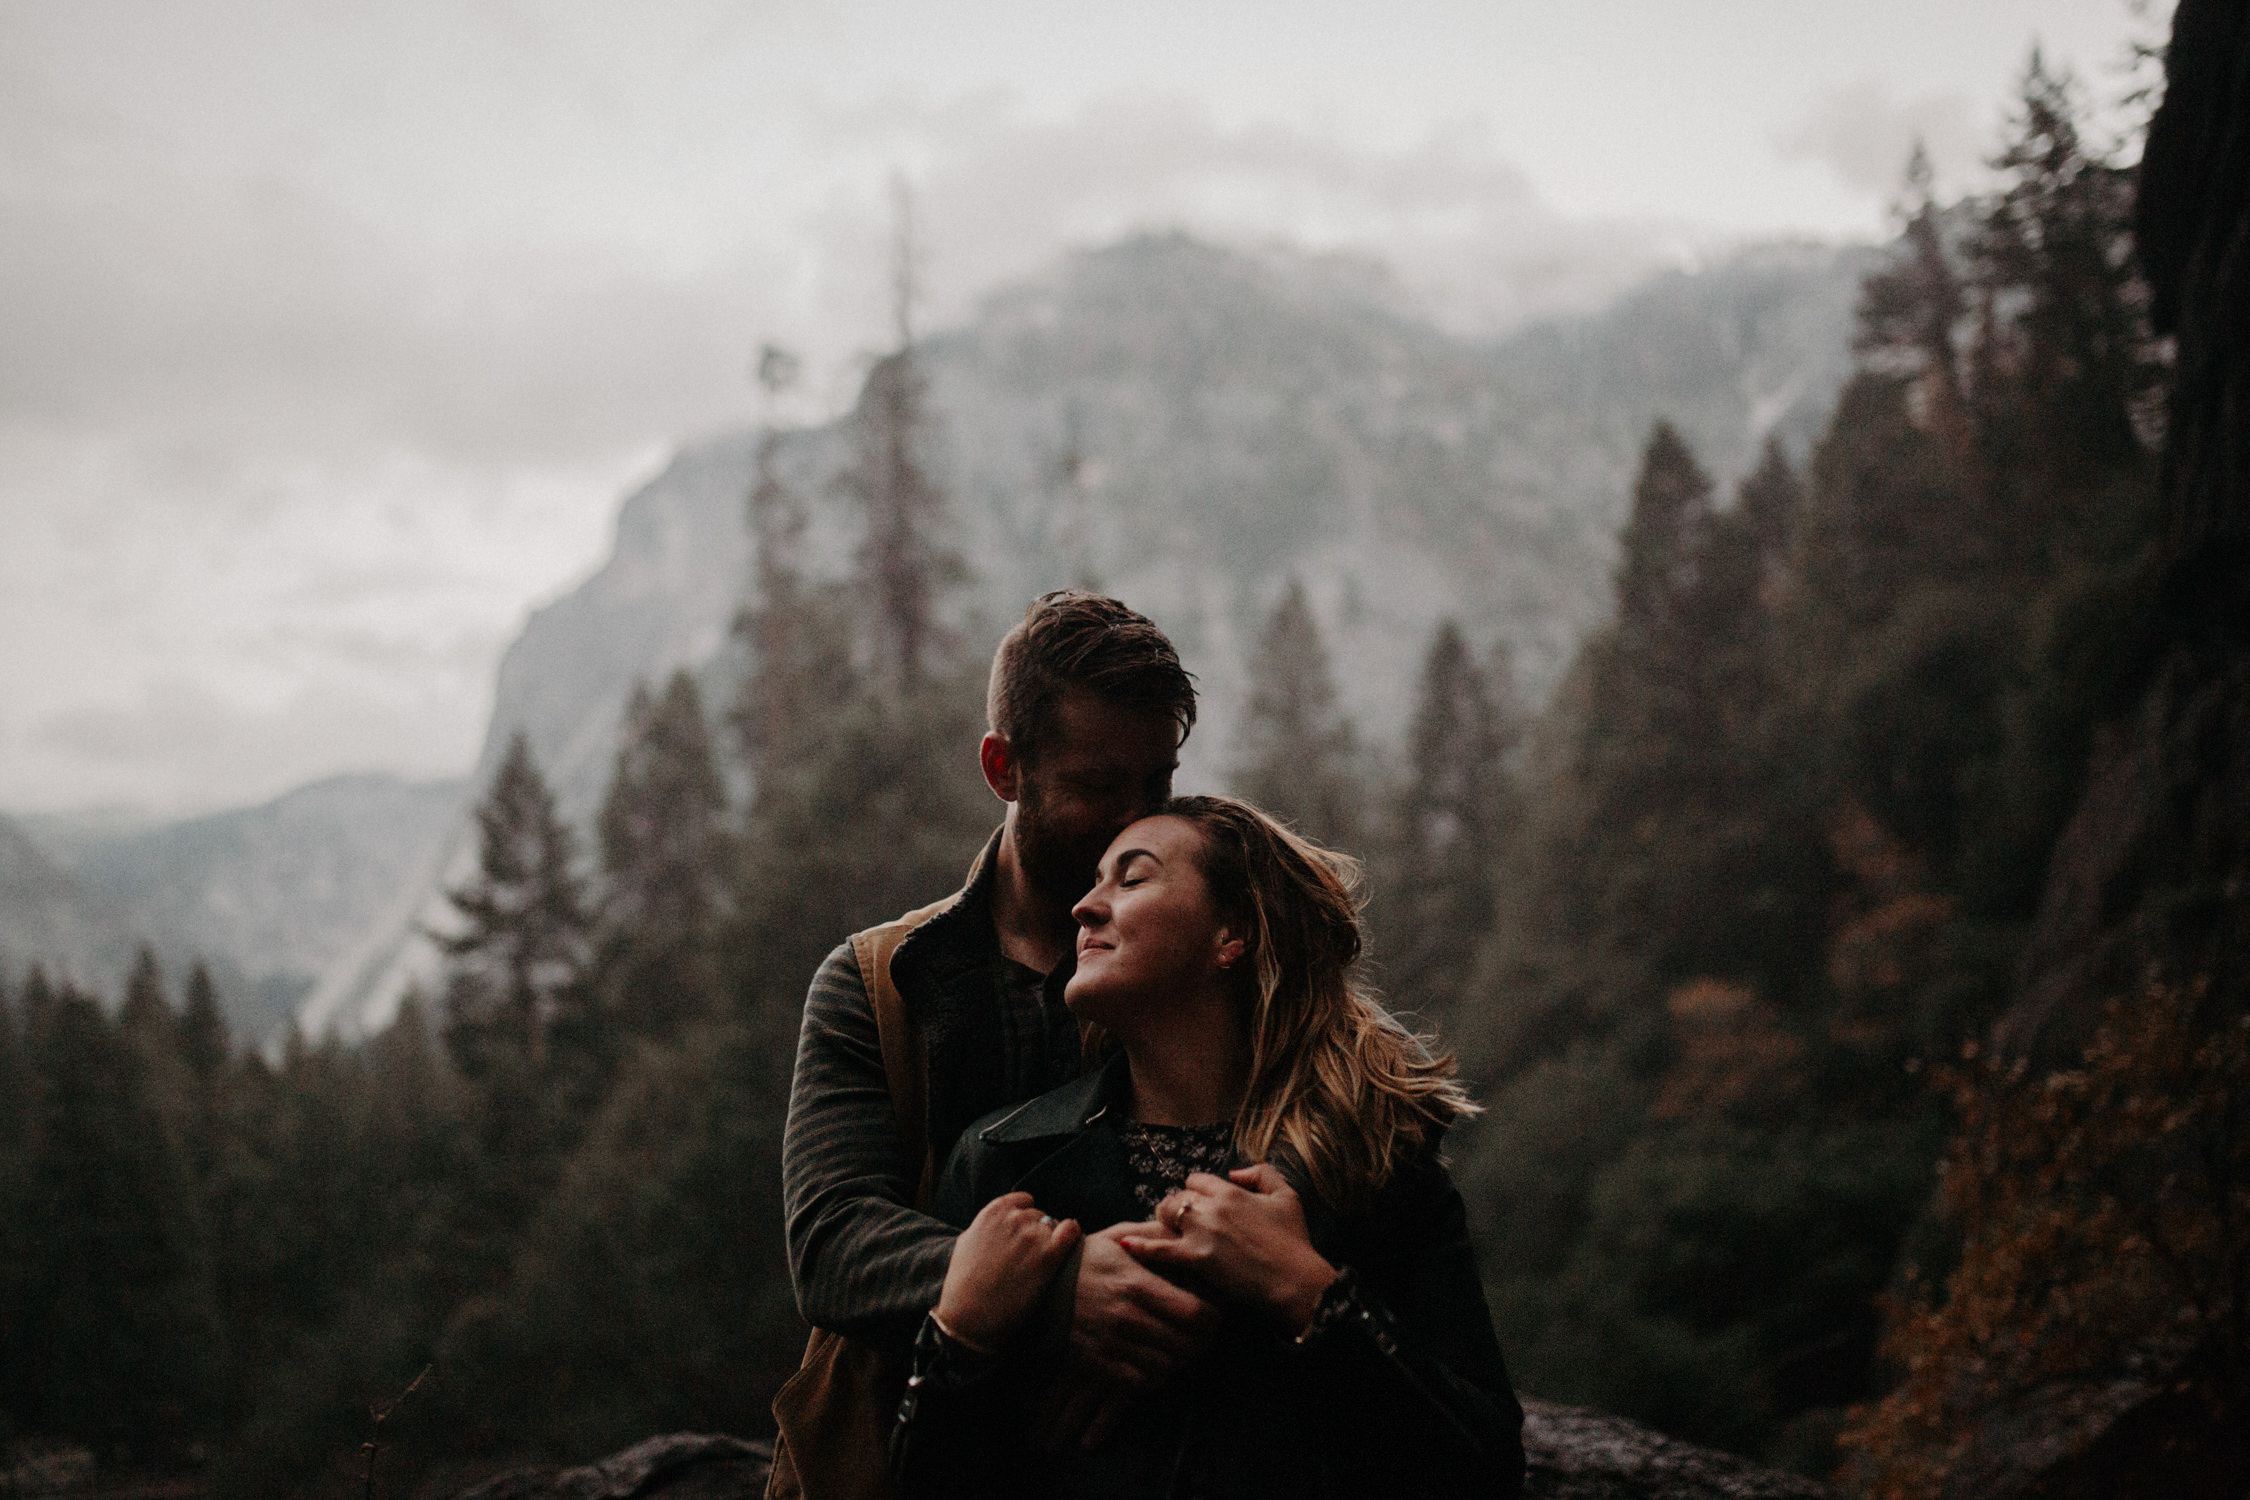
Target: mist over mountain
(272, 896)
(1189, 427)
(49, 917)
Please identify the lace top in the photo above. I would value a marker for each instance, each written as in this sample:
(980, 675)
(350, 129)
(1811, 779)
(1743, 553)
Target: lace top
(1160, 1157)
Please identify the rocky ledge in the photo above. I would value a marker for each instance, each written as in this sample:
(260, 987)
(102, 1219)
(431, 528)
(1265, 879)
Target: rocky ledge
(1572, 1455)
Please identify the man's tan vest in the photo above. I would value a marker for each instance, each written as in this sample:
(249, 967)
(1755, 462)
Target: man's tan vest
(835, 1413)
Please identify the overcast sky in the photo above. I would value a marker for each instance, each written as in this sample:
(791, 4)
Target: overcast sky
(334, 332)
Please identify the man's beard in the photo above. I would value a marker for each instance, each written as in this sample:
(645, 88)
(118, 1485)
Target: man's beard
(1053, 866)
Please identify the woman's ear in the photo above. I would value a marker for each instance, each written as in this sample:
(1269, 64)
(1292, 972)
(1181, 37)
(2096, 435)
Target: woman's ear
(1231, 949)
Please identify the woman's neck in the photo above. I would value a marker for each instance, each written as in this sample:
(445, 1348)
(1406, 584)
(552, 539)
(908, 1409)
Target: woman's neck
(1189, 1075)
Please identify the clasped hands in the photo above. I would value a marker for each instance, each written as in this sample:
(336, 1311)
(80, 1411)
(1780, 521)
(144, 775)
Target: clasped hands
(1241, 1238)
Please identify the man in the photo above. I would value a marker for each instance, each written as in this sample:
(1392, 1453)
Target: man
(1087, 706)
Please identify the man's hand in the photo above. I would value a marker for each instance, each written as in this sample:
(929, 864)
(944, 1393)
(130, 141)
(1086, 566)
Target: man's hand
(1128, 1327)
(1128, 1324)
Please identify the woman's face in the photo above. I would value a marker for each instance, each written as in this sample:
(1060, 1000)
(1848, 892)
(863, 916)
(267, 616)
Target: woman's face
(1148, 931)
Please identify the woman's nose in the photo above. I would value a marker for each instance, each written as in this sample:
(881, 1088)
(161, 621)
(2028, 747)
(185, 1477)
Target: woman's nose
(1090, 912)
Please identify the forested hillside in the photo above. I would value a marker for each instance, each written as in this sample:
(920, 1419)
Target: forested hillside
(1722, 934)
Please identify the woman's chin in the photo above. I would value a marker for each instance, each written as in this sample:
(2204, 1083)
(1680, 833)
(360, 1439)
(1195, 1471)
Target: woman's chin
(1093, 1002)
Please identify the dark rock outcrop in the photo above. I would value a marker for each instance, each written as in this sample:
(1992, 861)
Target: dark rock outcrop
(678, 1466)
(1573, 1455)
(2151, 879)
(2153, 872)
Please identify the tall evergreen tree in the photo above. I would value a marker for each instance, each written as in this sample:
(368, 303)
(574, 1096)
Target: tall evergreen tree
(114, 1322)
(519, 958)
(1657, 551)
(35, 999)
(1912, 312)
(204, 1052)
(797, 634)
(1743, 561)
(905, 562)
(1437, 886)
(203, 1028)
(520, 1022)
(664, 861)
(2079, 360)
(146, 1020)
(1770, 506)
(146, 1013)
(1296, 753)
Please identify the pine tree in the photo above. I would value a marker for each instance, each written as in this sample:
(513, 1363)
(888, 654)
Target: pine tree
(146, 1019)
(15, 1076)
(36, 999)
(114, 1321)
(1770, 506)
(904, 560)
(147, 1011)
(1656, 552)
(203, 1028)
(1743, 560)
(1912, 311)
(664, 857)
(2060, 231)
(798, 636)
(1447, 824)
(1645, 669)
(204, 1051)
(1296, 754)
(518, 961)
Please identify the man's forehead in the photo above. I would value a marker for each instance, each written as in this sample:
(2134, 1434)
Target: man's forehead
(1087, 728)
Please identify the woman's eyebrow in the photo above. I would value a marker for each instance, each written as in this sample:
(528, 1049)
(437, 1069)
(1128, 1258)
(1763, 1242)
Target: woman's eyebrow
(1129, 855)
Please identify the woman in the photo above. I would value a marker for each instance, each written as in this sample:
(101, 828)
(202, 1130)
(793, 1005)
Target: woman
(1270, 1134)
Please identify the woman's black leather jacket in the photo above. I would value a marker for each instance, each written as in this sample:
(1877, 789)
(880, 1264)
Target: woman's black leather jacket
(1398, 1388)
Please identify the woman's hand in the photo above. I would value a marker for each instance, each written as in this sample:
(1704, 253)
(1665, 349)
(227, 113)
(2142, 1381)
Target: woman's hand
(1000, 1265)
(1244, 1237)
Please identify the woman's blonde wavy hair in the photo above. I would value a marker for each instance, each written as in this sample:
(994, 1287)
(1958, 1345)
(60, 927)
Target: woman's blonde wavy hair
(1336, 1081)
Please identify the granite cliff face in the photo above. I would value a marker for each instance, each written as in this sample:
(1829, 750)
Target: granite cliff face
(1188, 427)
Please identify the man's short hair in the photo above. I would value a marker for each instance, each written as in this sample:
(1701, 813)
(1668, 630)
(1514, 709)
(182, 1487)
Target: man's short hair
(1071, 638)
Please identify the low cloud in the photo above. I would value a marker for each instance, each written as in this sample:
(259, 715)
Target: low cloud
(183, 746)
(1457, 224)
(285, 453)
(1864, 137)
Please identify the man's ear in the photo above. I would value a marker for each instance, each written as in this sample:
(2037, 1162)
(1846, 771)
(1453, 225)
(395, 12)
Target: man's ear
(1003, 770)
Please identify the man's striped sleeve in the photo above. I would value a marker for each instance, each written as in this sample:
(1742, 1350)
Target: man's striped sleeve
(863, 1262)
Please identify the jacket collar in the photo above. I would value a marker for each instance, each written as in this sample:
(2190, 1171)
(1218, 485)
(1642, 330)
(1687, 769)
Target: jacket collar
(1063, 1111)
(944, 970)
(957, 941)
